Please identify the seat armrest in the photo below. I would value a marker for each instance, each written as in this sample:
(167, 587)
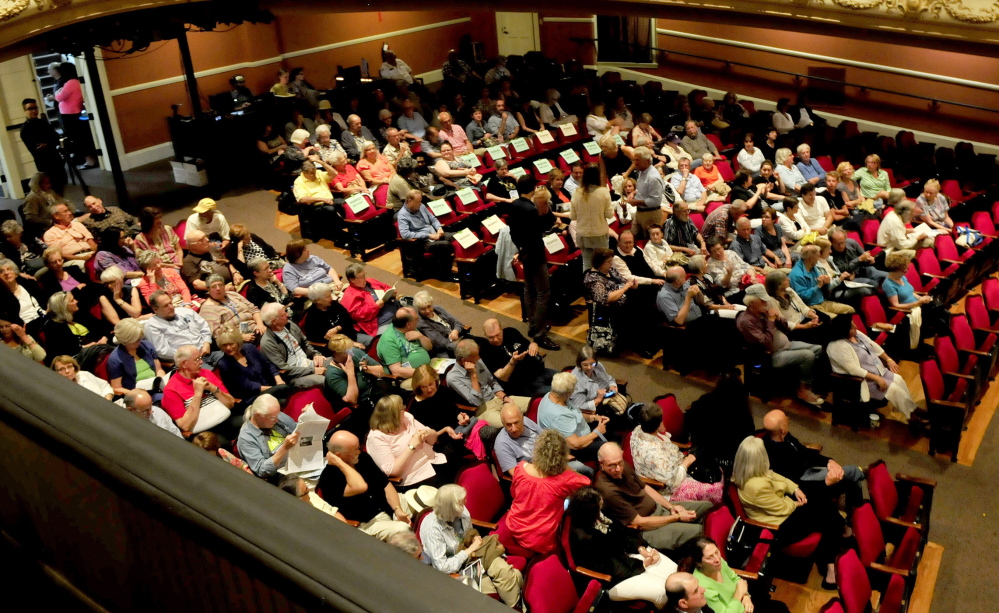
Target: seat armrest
(353, 523)
(760, 524)
(484, 524)
(902, 524)
(960, 375)
(592, 574)
(889, 569)
(813, 446)
(948, 403)
(656, 484)
(916, 480)
(745, 574)
(984, 354)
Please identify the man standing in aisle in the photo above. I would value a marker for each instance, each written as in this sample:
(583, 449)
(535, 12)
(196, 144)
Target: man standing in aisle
(528, 222)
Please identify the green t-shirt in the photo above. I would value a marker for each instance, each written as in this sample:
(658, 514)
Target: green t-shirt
(720, 595)
(336, 378)
(393, 348)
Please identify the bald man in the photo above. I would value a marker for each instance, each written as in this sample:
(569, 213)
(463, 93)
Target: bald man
(515, 443)
(816, 474)
(354, 484)
(685, 595)
(514, 360)
(200, 263)
(139, 402)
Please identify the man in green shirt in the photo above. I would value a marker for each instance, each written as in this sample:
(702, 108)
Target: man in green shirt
(403, 348)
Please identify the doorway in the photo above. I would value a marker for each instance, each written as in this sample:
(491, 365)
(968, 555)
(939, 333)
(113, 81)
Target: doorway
(516, 33)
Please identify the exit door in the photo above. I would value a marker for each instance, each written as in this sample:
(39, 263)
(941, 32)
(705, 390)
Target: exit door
(517, 33)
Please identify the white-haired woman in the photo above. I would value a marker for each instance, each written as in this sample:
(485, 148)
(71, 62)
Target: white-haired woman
(123, 297)
(68, 367)
(442, 534)
(133, 364)
(159, 277)
(326, 146)
(298, 152)
(68, 331)
(15, 299)
(789, 175)
(24, 251)
(933, 207)
(551, 112)
(442, 328)
(327, 317)
(893, 234)
(264, 286)
(773, 499)
(226, 309)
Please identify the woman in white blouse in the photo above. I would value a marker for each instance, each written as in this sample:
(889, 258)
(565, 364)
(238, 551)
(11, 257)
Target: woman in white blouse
(792, 224)
(782, 119)
(598, 124)
(789, 175)
(814, 210)
(68, 367)
(750, 157)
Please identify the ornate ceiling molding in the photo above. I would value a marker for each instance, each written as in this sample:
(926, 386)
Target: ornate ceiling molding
(979, 13)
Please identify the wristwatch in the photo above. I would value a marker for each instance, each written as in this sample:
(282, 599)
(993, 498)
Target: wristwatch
(411, 447)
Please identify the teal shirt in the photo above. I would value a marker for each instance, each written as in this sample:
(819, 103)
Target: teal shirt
(721, 595)
(393, 348)
(336, 378)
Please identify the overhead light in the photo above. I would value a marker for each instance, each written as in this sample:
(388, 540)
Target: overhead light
(778, 13)
(892, 28)
(825, 19)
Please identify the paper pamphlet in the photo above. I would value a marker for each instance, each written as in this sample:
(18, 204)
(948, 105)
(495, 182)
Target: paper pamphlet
(442, 364)
(519, 144)
(496, 152)
(545, 137)
(466, 238)
(619, 140)
(308, 454)
(543, 165)
(570, 156)
(553, 243)
(386, 294)
(568, 129)
(591, 147)
(357, 203)
(494, 224)
(439, 207)
(518, 172)
(467, 196)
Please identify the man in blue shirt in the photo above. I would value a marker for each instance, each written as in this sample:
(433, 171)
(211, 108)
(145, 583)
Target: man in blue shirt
(515, 442)
(811, 284)
(412, 125)
(419, 226)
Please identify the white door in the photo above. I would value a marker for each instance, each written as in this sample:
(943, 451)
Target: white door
(17, 82)
(517, 33)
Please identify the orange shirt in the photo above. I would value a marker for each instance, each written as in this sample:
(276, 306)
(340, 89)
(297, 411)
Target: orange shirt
(707, 178)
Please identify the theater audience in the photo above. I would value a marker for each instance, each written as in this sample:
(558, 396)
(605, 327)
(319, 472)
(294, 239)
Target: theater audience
(872, 179)
(813, 285)
(18, 302)
(67, 330)
(403, 348)
(354, 484)
(628, 500)
(556, 413)
(24, 251)
(750, 158)
(227, 309)
(893, 233)
(788, 174)
(454, 172)
(637, 570)
(200, 264)
(206, 219)
(403, 448)
(123, 299)
(809, 167)
(196, 399)
(40, 198)
(371, 304)
(326, 317)
(765, 331)
(771, 234)
(355, 137)
(286, 347)
(350, 371)
(723, 589)
(303, 269)
(502, 124)
(696, 143)
(266, 437)
(134, 363)
(419, 225)
(113, 250)
(158, 237)
(375, 168)
(69, 236)
(443, 534)
(514, 360)
(476, 386)
(591, 208)
(264, 286)
(13, 335)
(140, 403)
(539, 490)
(814, 211)
(165, 279)
(901, 295)
(934, 206)
(435, 323)
(658, 458)
(774, 499)
(68, 367)
(172, 326)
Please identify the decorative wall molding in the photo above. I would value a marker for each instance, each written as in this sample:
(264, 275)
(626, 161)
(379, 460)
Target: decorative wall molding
(832, 60)
(291, 54)
(763, 104)
(915, 9)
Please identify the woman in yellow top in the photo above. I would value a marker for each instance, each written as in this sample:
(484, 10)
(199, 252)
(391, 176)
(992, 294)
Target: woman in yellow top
(770, 498)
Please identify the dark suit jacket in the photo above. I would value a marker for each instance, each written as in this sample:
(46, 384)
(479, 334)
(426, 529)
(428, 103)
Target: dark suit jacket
(790, 458)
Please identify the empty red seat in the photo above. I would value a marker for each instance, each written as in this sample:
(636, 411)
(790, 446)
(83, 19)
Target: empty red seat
(948, 403)
(903, 500)
(854, 587)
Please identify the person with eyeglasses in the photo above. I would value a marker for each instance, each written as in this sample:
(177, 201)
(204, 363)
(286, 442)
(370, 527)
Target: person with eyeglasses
(42, 142)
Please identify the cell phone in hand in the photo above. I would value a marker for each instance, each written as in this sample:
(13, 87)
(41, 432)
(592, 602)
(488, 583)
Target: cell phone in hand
(609, 394)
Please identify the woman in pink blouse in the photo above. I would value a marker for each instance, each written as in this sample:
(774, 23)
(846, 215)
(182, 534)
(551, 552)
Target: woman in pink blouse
(404, 448)
(69, 95)
(656, 457)
(374, 167)
(159, 237)
(159, 277)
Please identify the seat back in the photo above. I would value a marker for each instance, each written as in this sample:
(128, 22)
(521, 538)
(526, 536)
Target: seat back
(179, 230)
(907, 551)
(364, 213)
(726, 170)
(717, 142)
(381, 195)
(872, 310)
(672, 415)
(982, 221)
(825, 162)
(532, 408)
(698, 220)
(549, 588)
(373, 349)
(563, 255)
(974, 306)
(952, 189)
(626, 448)
(912, 275)
(990, 291)
(852, 582)
(945, 248)
(946, 354)
(891, 599)
(485, 498)
(471, 252)
(867, 531)
(717, 524)
(869, 230)
(733, 495)
(300, 400)
(960, 329)
(884, 496)
(712, 206)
